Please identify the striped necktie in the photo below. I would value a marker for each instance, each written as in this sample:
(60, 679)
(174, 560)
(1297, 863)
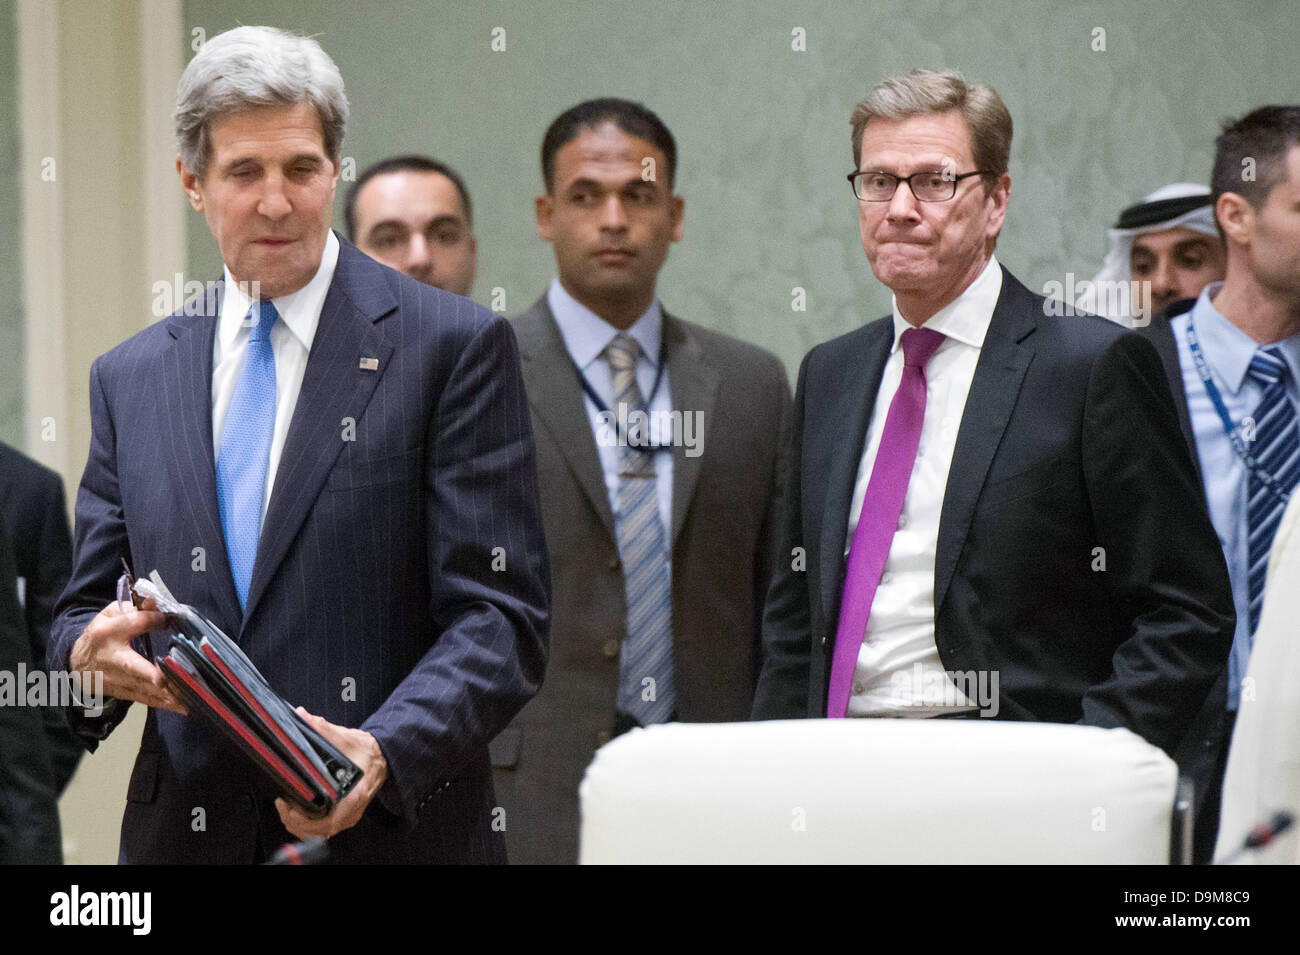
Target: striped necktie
(645, 683)
(1276, 450)
(246, 449)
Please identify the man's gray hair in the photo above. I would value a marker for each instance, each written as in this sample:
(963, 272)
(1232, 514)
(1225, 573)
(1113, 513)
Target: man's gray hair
(927, 91)
(248, 67)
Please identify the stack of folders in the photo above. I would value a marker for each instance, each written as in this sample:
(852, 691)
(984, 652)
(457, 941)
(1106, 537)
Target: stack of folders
(219, 684)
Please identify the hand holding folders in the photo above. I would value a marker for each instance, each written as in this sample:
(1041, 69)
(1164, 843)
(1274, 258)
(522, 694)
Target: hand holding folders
(218, 683)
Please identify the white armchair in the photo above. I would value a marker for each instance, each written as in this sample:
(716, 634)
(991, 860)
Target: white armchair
(878, 791)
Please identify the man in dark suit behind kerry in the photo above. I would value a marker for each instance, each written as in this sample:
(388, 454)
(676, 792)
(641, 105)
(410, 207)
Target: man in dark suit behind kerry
(29, 812)
(659, 527)
(987, 493)
(33, 511)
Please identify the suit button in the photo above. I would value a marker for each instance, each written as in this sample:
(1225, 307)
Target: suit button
(615, 563)
(611, 648)
(902, 522)
(246, 803)
(603, 737)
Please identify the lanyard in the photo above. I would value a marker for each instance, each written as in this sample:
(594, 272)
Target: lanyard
(641, 443)
(1233, 431)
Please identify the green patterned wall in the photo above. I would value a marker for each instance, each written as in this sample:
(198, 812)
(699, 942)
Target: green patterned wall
(762, 128)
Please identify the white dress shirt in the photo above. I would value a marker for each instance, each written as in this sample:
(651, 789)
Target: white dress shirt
(898, 671)
(586, 335)
(291, 339)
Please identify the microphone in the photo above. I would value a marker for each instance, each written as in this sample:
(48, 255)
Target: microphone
(308, 852)
(1261, 834)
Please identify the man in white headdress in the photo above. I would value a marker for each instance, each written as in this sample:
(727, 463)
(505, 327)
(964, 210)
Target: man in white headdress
(1169, 239)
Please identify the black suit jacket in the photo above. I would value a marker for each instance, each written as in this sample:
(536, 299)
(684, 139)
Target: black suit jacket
(1202, 754)
(401, 581)
(29, 812)
(1161, 334)
(33, 511)
(1068, 443)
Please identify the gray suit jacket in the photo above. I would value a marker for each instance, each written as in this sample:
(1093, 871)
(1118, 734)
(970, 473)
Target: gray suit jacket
(723, 508)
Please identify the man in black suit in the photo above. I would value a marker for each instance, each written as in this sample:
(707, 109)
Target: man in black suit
(33, 512)
(1031, 543)
(1240, 327)
(29, 812)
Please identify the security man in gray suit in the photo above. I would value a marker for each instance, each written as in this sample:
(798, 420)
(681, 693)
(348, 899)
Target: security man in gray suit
(657, 454)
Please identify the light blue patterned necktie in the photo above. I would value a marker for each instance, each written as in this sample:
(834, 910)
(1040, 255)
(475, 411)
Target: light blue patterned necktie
(645, 683)
(1277, 452)
(246, 449)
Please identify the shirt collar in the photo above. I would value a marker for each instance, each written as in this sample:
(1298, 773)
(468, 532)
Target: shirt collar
(966, 318)
(586, 334)
(300, 310)
(1225, 347)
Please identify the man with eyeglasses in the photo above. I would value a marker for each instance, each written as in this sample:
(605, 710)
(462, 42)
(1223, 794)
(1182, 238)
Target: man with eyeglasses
(999, 514)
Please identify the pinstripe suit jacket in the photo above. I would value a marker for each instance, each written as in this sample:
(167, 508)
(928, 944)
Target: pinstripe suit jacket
(379, 597)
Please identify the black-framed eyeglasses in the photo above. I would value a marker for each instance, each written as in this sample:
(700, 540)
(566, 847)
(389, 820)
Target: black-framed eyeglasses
(929, 186)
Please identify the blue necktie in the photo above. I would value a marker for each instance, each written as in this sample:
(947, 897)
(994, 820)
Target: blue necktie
(246, 449)
(1277, 453)
(645, 684)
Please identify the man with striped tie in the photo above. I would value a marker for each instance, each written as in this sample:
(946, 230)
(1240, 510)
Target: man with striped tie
(657, 459)
(1232, 357)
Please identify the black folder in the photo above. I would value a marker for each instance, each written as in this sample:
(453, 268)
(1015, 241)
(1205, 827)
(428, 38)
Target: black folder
(220, 685)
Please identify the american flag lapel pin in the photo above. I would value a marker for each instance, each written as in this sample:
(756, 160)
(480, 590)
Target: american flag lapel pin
(370, 364)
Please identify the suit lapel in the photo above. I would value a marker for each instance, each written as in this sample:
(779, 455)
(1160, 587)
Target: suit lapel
(187, 426)
(694, 387)
(1001, 368)
(855, 402)
(556, 400)
(334, 388)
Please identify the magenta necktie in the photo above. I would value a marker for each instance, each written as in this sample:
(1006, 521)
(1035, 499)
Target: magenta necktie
(881, 508)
